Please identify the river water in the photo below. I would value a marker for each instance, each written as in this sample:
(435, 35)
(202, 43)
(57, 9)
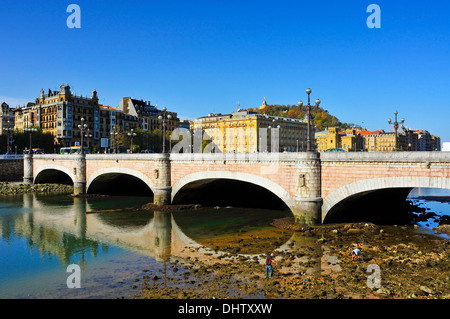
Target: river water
(112, 241)
(115, 243)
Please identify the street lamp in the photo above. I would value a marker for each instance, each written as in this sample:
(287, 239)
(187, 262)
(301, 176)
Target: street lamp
(131, 134)
(396, 123)
(163, 117)
(82, 127)
(308, 116)
(8, 131)
(88, 136)
(31, 130)
(113, 135)
(269, 136)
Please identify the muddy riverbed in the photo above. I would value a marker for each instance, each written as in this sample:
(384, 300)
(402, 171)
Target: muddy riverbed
(314, 263)
(13, 188)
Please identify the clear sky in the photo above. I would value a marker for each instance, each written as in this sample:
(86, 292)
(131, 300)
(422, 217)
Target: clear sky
(197, 57)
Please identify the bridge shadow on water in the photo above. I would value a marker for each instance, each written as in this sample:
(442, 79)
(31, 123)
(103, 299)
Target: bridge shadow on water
(382, 206)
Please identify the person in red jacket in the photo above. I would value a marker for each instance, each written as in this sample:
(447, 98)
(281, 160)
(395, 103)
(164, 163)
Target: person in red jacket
(269, 268)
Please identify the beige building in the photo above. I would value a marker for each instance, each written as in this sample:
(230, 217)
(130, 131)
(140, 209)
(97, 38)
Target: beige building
(60, 113)
(377, 141)
(248, 132)
(332, 139)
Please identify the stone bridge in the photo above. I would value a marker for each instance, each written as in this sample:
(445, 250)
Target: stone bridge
(315, 186)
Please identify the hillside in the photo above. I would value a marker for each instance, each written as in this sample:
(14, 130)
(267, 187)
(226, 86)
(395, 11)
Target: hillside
(322, 119)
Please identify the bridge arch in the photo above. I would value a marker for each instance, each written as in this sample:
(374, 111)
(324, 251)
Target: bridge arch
(260, 181)
(54, 173)
(112, 172)
(391, 187)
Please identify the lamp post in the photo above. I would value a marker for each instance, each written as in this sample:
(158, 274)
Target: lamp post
(82, 127)
(88, 136)
(113, 135)
(163, 117)
(308, 116)
(131, 134)
(271, 136)
(8, 131)
(396, 123)
(31, 130)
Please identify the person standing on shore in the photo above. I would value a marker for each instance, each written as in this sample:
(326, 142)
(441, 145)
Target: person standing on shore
(269, 268)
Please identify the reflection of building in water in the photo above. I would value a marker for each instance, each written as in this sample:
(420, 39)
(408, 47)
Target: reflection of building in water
(48, 238)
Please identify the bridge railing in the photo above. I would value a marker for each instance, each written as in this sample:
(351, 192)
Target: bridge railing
(248, 157)
(443, 157)
(408, 157)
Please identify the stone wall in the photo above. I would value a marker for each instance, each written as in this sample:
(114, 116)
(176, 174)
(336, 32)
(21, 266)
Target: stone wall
(11, 170)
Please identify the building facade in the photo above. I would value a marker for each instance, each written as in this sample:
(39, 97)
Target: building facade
(7, 119)
(60, 113)
(349, 140)
(243, 131)
(114, 119)
(148, 114)
(377, 141)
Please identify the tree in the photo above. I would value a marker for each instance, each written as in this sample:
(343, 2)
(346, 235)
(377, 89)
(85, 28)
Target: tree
(21, 140)
(322, 118)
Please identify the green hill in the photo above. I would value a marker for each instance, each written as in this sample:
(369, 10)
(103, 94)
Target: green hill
(322, 119)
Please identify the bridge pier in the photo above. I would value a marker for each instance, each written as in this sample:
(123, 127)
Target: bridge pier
(308, 211)
(162, 191)
(79, 172)
(308, 200)
(28, 169)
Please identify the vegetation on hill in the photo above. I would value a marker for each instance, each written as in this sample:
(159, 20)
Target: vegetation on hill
(322, 119)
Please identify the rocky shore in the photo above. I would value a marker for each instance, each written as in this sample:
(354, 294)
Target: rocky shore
(168, 208)
(315, 263)
(442, 229)
(18, 188)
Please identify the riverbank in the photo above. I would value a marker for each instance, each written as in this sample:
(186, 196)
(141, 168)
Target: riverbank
(9, 188)
(169, 208)
(442, 229)
(315, 264)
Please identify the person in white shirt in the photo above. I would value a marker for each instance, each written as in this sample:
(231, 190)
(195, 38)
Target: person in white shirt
(355, 254)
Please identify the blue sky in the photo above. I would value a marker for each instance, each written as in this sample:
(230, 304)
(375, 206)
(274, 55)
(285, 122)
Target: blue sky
(196, 57)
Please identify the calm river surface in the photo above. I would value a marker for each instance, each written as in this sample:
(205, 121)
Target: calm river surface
(40, 235)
